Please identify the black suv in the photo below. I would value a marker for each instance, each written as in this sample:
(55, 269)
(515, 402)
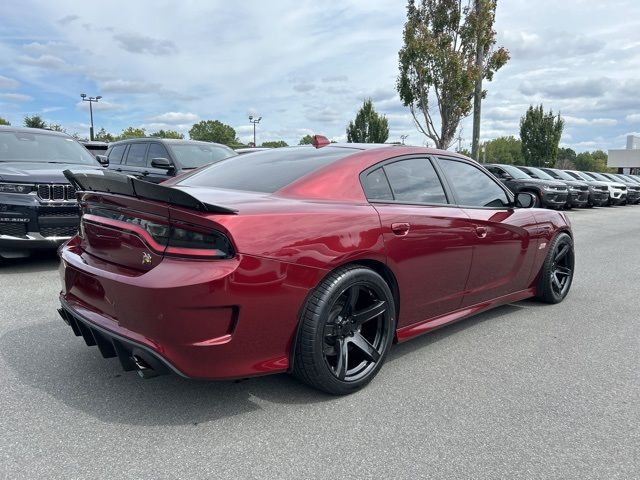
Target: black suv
(549, 193)
(38, 206)
(578, 191)
(158, 159)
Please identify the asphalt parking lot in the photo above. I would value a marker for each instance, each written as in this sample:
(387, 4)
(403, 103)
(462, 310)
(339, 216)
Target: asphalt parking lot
(525, 391)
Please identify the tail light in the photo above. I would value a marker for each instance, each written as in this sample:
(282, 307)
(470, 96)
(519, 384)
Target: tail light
(181, 240)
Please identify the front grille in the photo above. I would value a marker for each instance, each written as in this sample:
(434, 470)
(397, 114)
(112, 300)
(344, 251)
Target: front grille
(60, 212)
(13, 229)
(58, 231)
(56, 192)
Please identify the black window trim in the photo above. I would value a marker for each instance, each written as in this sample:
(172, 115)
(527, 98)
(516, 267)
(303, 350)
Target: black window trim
(427, 158)
(156, 142)
(508, 193)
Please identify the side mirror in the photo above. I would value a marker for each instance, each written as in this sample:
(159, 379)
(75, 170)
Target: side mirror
(163, 163)
(505, 176)
(104, 161)
(525, 200)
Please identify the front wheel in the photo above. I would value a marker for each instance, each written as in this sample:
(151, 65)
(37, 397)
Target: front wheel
(557, 270)
(346, 330)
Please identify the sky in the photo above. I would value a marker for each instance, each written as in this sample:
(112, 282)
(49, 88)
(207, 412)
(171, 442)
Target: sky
(305, 66)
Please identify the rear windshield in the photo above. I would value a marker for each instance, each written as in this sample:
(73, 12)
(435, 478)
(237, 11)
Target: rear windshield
(267, 171)
(194, 155)
(41, 147)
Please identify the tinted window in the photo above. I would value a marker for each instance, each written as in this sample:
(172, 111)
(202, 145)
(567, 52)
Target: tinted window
(29, 147)
(473, 187)
(266, 171)
(135, 157)
(194, 155)
(115, 155)
(415, 181)
(157, 150)
(376, 186)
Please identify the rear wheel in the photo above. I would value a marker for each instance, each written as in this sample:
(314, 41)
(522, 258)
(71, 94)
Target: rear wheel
(346, 330)
(557, 271)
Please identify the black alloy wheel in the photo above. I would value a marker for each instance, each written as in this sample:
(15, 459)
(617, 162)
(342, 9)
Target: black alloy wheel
(347, 327)
(557, 271)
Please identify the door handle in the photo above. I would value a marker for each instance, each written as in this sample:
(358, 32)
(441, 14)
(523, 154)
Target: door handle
(400, 229)
(481, 232)
(118, 169)
(145, 173)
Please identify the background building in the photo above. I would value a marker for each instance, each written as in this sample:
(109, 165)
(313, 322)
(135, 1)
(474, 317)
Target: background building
(626, 160)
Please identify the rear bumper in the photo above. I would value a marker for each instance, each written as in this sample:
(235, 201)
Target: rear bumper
(203, 319)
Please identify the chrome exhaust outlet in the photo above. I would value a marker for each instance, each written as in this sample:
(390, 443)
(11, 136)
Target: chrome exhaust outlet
(143, 368)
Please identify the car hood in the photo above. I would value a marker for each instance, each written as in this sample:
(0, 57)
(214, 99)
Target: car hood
(537, 181)
(575, 183)
(38, 172)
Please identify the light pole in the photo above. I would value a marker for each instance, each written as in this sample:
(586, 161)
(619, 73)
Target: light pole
(403, 138)
(255, 121)
(90, 100)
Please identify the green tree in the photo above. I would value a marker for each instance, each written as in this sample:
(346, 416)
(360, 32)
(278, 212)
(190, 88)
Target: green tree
(504, 150)
(566, 159)
(306, 140)
(584, 161)
(167, 134)
(104, 136)
(600, 161)
(275, 144)
(132, 132)
(438, 59)
(4, 121)
(213, 131)
(56, 127)
(540, 134)
(368, 126)
(34, 121)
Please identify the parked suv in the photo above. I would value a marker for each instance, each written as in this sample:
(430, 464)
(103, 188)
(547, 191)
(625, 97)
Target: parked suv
(633, 189)
(578, 191)
(598, 191)
(38, 206)
(158, 159)
(549, 193)
(617, 190)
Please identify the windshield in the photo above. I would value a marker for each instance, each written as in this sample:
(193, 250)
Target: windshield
(602, 178)
(559, 174)
(194, 155)
(41, 147)
(580, 176)
(537, 173)
(514, 171)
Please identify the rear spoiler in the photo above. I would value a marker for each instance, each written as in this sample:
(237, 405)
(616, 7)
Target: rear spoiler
(110, 182)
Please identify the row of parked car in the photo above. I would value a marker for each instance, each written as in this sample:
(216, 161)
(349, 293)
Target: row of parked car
(560, 189)
(38, 207)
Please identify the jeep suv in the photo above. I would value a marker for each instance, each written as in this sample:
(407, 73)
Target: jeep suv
(549, 193)
(158, 159)
(578, 191)
(38, 206)
(598, 192)
(633, 189)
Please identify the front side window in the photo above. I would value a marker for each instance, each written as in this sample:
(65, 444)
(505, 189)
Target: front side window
(157, 150)
(415, 181)
(473, 187)
(135, 157)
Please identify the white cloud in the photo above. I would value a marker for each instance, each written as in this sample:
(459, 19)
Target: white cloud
(8, 83)
(128, 86)
(15, 97)
(176, 118)
(633, 118)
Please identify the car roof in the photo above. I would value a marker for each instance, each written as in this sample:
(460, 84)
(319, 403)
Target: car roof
(172, 141)
(42, 131)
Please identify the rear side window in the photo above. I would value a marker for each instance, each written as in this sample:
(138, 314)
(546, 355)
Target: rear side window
(115, 155)
(135, 157)
(473, 187)
(157, 150)
(415, 181)
(376, 186)
(266, 171)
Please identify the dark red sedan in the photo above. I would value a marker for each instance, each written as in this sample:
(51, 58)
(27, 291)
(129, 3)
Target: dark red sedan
(309, 260)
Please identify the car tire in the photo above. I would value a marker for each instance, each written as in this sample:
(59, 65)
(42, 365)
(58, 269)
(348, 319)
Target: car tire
(556, 274)
(339, 349)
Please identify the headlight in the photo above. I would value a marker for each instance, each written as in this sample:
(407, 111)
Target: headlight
(16, 188)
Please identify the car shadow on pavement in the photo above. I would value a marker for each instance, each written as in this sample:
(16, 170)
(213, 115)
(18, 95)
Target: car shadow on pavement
(37, 262)
(423, 341)
(49, 358)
